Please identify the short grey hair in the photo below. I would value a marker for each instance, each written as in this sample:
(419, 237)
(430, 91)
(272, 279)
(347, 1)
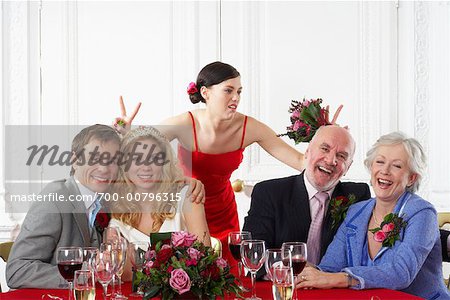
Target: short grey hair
(417, 158)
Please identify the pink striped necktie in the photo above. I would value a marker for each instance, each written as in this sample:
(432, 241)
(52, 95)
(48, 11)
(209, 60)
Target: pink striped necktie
(315, 229)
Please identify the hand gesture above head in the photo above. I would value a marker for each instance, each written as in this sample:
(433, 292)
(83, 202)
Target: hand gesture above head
(123, 123)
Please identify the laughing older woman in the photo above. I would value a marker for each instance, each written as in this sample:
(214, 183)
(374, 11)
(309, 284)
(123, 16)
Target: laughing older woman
(390, 241)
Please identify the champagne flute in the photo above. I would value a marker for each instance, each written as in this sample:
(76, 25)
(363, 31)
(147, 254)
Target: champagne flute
(104, 267)
(111, 235)
(137, 251)
(120, 255)
(273, 259)
(282, 282)
(253, 254)
(69, 260)
(294, 255)
(84, 285)
(235, 239)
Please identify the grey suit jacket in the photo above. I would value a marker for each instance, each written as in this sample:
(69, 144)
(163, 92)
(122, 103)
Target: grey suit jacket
(47, 226)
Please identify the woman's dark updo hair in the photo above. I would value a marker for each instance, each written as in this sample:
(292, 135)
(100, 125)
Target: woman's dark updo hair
(211, 74)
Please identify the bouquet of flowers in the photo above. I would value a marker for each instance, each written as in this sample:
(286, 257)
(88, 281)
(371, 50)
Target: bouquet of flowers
(306, 117)
(185, 266)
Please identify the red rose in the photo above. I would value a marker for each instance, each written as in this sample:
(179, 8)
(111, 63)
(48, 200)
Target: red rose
(343, 199)
(212, 271)
(101, 220)
(163, 255)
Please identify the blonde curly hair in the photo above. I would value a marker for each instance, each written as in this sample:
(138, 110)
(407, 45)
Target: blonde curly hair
(171, 180)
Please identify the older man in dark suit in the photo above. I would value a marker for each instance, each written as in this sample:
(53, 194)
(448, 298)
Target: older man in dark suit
(297, 208)
(69, 222)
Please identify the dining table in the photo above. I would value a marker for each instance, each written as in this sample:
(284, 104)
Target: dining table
(263, 291)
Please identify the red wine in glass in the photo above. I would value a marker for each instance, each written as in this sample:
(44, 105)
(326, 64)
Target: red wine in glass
(298, 264)
(235, 251)
(67, 269)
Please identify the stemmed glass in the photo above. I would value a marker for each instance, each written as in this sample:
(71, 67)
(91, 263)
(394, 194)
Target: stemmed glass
(282, 282)
(273, 259)
(89, 255)
(294, 255)
(253, 254)
(119, 252)
(111, 235)
(104, 266)
(84, 285)
(235, 239)
(69, 260)
(137, 251)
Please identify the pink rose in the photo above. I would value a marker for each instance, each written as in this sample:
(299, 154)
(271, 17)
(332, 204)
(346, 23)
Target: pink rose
(295, 114)
(306, 103)
(192, 88)
(150, 254)
(149, 264)
(297, 125)
(180, 281)
(183, 238)
(221, 263)
(194, 253)
(379, 236)
(388, 227)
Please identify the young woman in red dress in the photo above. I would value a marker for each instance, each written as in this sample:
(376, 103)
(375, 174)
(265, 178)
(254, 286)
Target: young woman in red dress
(220, 135)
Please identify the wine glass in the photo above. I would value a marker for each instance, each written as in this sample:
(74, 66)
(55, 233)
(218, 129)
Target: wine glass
(89, 255)
(84, 285)
(282, 282)
(69, 260)
(136, 251)
(235, 239)
(273, 259)
(253, 254)
(104, 266)
(119, 252)
(111, 234)
(294, 255)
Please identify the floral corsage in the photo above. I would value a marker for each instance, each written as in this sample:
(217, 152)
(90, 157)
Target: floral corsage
(389, 230)
(339, 207)
(101, 220)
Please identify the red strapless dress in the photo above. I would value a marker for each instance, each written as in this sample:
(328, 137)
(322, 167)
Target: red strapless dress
(214, 171)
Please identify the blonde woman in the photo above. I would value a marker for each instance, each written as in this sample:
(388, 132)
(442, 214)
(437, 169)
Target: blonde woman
(151, 191)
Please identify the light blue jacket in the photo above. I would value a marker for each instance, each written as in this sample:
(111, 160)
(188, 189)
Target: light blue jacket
(413, 265)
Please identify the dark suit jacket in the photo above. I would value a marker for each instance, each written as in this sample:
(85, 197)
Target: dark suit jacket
(444, 237)
(279, 211)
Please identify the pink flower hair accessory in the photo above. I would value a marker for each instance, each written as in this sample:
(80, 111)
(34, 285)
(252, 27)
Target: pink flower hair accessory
(192, 88)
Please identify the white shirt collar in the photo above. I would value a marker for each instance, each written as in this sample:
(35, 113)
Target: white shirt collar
(312, 190)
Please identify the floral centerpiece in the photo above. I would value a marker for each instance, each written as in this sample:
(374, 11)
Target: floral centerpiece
(306, 117)
(186, 266)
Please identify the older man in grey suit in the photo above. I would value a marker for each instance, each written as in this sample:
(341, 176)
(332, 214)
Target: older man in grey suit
(49, 225)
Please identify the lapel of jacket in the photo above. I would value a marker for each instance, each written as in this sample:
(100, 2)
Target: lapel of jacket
(356, 232)
(79, 211)
(300, 218)
(327, 232)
